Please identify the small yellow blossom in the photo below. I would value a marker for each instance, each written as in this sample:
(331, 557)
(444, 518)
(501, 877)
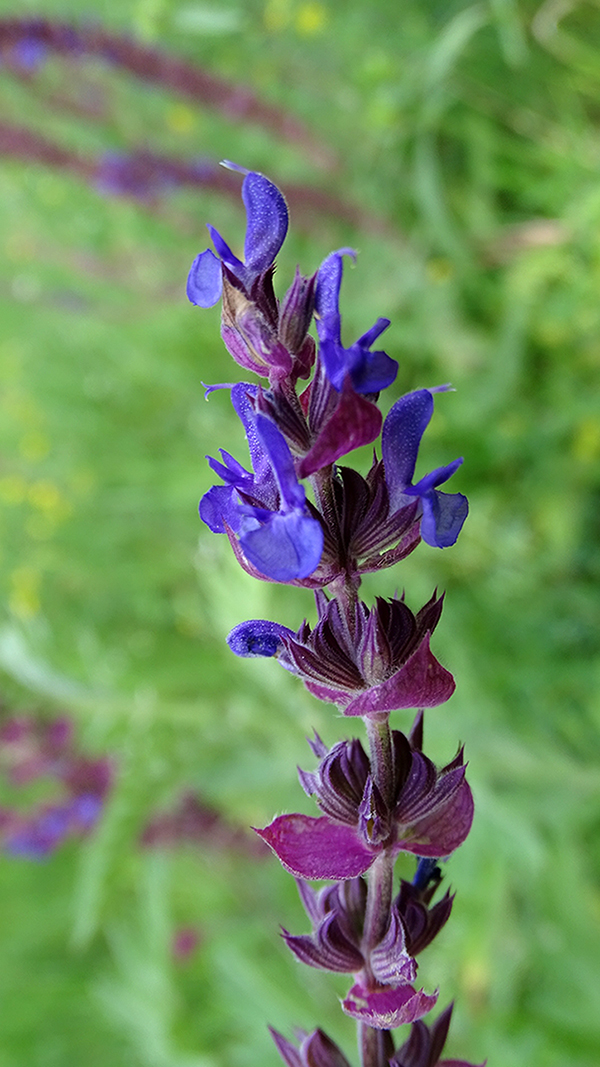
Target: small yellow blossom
(181, 119)
(311, 18)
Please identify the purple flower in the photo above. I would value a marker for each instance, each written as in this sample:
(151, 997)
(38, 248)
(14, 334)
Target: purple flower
(260, 337)
(369, 371)
(33, 749)
(425, 1045)
(266, 510)
(384, 664)
(430, 813)
(39, 832)
(267, 216)
(443, 514)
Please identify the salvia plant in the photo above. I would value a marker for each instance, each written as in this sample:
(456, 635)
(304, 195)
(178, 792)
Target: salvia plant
(317, 402)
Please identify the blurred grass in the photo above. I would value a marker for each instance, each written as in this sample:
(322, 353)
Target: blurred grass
(473, 130)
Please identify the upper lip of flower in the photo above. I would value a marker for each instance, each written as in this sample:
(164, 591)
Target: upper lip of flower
(266, 229)
(443, 513)
(370, 371)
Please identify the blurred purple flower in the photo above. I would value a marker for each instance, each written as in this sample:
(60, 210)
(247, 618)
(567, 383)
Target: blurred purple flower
(32, 749)
(193, 821)
(185, 942)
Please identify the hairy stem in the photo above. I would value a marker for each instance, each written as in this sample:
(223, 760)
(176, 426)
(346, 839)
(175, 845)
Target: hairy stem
(382, 757)
(374, 1044)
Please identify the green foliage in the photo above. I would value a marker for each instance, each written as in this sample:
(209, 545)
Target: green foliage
(470, 132)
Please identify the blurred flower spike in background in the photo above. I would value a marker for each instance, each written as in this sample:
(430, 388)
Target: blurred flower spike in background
(32, 749)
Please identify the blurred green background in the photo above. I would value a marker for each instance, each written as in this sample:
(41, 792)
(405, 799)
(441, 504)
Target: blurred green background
(467, 137)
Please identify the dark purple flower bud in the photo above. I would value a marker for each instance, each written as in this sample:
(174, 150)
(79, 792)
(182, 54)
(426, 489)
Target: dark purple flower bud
(427, 871)
(369, 371)
(421, 922)
(315, 1050)
(258, 637)
(372, 535)
(373, 815)
(385, 664)
(340, 782)
(328, 948)
(425, 1045)
(443, 514)
(295, 317)
(266, 510)
(337, 914)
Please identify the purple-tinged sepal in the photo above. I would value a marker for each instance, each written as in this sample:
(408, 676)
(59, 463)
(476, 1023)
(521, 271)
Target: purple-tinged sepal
(317, 849)
(391, 961)
(315, 1050)
(387, 1007)
(249, 328)
(421, 683)
(351, 422)
(443, 514)
(337, 913)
